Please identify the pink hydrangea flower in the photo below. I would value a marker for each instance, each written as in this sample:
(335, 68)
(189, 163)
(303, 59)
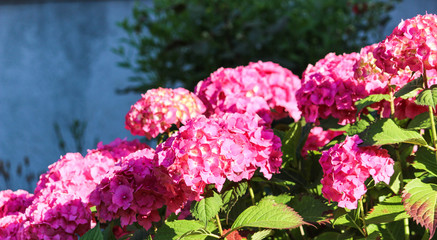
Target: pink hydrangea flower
(57, 215)
(14, 202)
(79, 175)
(330, 89)
(135, 191)
(412, 44)
(318, 138)
(346, 167)
(377, 82)
(159, 108)
(252, 89)
(11, 227)
(211, 150)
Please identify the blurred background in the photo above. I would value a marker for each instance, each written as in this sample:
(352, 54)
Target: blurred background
(70, 70)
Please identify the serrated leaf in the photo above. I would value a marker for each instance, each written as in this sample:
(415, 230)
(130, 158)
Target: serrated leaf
(93, 234)
(420, 200)
(410, 88)
(268, 214)
(421, 121)
(427, 97)
(231, 196)
(282, 198)
(396, 178)
(261, 234)
(369, 100)
(425, 159)
(385, 131)
(290, 143)
(310, 208)
(390, 210)
(174, 230)
(207, 208)
(357, 127)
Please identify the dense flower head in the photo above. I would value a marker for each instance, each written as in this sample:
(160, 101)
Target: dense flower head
(330, 89)
(11, 227)
(158, 109)
(253, 89)
(78, 175)
(379, 82)
(57, 215)
(412, 44)
(318, 138)
(135, 191)
(346, 166)
(14, 202)
(211, 150)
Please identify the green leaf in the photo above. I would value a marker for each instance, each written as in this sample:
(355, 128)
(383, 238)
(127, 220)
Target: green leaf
(282, 198)
(410, 88)
(357, 127)
(385, 131)
(310, 208)
(93, 234)
(390, 210)
(421, 121)
(290, 141)
(189, 229)
(231, 196)
(327, 236)
(369, 100)
(427, 97)
(207, 208)
(268, 214)
(425, 159)
(395, 179)
(261, 234)
(420, 200)
(392, 230)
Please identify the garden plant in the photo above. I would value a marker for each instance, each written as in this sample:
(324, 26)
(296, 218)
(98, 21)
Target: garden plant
(347, 151)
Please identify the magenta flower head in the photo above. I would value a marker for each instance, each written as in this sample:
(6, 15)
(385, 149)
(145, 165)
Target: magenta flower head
(412, 44)
(14, 202)
(159, 108)
(330, 89)
(253, 89)
(211, 150)
(135, 191)
(346, 167)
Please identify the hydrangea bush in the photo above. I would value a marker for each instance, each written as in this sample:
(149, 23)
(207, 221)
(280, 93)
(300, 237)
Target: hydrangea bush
(347, 152)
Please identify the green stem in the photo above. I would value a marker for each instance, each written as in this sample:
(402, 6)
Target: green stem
(407, 228)
(362, 217)
(431, 116)
(219, 225)
(252, 195)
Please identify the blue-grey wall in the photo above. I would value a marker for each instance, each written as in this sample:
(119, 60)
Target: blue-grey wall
(56, 66)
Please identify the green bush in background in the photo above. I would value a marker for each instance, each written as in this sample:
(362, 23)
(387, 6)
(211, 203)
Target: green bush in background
(178, 43)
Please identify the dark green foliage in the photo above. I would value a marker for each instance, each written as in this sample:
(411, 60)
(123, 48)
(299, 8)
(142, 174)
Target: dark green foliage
(178, 43)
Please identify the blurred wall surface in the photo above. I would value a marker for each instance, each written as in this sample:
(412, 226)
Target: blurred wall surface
(56, 66)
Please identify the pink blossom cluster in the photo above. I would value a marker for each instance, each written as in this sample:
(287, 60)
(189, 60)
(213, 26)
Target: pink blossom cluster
(412, 44)
(262, 88)
(136, 190)
(330, 89)
(378, 82)
(159, 108)
(60, 207)
(318, 138)
(346, 166)
(211, 150)
(13, 204)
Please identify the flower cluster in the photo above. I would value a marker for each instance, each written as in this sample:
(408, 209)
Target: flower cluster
(252, 89)
(412, 44)
(136, 190)
(159, 109)
(14, 202)
(379, 82)
(60, 208)
(211, 150)
(330, 89)
(346, 167)
(318, 138)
